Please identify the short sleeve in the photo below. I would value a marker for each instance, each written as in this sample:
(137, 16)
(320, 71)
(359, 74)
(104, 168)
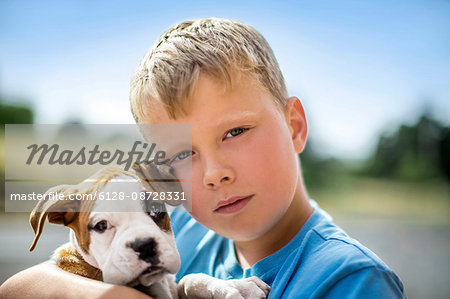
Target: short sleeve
(370, 282)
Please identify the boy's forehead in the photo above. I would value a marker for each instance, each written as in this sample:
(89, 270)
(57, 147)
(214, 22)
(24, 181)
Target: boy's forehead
(205, 85)
(210, 94)
(212, 91)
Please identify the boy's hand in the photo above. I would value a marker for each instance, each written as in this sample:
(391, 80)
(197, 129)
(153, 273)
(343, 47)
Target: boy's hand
(47, 280)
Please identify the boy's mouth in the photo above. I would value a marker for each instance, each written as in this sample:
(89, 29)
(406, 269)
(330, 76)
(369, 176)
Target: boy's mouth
(233, 204)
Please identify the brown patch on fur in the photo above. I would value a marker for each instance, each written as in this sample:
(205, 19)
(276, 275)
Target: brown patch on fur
(158, 178)
(165, 224)
(79, 226)
(162, 221)
(70, 260)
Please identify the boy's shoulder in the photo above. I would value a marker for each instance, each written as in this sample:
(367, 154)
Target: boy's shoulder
(326, 243)
(335, 265)
(321, 260)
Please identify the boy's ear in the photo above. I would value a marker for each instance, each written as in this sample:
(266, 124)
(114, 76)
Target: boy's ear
(296, 120)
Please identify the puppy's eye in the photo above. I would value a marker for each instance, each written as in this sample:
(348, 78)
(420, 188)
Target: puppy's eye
(101, 226)
(156, 210)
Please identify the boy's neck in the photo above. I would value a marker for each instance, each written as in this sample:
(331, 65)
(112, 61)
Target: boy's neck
(250, 252)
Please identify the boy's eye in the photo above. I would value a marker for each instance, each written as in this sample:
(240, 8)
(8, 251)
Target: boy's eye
(183, 155)
(235, 132)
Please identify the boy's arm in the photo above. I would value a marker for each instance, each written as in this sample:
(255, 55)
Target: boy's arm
(47, 280)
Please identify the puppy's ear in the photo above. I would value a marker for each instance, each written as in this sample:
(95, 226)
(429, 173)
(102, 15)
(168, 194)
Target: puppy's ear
(158, 178)
(62, 211)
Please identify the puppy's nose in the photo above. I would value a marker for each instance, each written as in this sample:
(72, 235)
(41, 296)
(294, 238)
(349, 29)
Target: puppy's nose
(147, 250)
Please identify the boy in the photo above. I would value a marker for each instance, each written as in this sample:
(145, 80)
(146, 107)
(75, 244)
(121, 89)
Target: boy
(252, 214)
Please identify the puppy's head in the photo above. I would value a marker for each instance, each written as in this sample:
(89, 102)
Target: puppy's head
(130, 241)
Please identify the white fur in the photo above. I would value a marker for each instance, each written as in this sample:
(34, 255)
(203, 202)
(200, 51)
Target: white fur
(127, 222)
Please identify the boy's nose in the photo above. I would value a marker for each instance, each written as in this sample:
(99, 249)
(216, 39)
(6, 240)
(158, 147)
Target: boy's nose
(211, 183)
(216, 177)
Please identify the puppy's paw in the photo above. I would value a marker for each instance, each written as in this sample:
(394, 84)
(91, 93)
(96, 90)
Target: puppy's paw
(204, 286)
(251, 287)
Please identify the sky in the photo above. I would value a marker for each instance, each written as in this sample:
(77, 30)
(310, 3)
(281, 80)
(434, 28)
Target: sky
(360, 68)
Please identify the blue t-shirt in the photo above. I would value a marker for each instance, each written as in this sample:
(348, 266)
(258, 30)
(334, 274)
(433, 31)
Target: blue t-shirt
(321, 261)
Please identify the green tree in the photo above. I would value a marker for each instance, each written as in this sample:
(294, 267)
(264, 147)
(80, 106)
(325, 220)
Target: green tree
(419, 151)
(15, 114)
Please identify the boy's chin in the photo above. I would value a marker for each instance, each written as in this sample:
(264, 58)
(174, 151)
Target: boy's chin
(241, 233)
(243, 227)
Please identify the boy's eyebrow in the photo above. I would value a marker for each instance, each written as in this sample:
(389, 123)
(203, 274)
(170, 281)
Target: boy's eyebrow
(236, 117)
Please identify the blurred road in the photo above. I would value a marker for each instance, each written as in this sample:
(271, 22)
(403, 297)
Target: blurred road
(16, 236)
(417, 251)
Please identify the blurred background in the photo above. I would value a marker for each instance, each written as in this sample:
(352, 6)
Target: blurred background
(373, 77)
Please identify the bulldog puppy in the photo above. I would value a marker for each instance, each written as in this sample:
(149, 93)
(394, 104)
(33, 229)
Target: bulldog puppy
(128, 242)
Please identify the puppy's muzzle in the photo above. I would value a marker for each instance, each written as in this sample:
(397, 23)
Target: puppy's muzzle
(147, 250)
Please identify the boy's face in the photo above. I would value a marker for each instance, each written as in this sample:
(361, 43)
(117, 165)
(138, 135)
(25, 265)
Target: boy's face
(244, 166)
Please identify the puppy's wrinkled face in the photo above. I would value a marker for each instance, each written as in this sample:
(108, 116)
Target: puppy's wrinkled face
(135, 245)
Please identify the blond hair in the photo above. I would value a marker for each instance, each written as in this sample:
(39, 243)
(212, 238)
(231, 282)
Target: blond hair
(168, 73)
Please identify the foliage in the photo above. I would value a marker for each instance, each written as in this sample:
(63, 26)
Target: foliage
(413, 152)
(417, 152)
(10, 114)
(320, 172)
(15, 114)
